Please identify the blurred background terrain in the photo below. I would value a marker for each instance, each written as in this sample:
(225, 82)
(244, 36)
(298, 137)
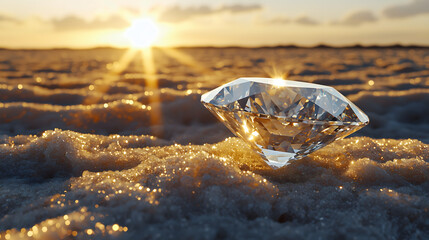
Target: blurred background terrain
(78, 90)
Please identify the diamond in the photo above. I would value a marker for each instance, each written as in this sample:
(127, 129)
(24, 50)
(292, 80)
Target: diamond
(284, 120)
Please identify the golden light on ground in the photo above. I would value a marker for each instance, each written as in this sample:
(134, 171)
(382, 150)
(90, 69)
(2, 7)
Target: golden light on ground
(142, 33)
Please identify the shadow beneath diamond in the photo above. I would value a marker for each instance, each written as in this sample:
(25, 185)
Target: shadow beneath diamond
(298, 171)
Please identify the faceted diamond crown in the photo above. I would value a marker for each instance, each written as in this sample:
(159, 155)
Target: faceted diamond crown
(284, 120)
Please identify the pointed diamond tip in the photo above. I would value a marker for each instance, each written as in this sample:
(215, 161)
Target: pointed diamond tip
(284, 120)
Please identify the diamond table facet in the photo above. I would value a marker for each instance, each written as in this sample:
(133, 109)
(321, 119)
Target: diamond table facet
(284, 120)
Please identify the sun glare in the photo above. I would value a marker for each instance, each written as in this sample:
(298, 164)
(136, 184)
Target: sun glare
(142, 33)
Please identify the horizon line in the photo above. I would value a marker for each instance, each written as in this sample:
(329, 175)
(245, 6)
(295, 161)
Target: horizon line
(320, 45)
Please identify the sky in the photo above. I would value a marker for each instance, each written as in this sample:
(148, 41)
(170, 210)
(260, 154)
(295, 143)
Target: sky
(91, 23)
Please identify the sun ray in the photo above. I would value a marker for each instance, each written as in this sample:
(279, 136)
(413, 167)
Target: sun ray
(152, 85)
(185, 59)
(149, 68)
(124, 62)
(142, 34)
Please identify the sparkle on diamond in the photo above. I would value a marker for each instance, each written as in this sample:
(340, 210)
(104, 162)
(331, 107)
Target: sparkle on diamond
(284, 120)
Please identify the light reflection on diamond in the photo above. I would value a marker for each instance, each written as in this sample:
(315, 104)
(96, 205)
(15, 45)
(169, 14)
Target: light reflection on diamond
(284, 120)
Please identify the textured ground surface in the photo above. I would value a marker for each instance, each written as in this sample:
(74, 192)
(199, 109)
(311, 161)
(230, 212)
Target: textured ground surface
(83, 153)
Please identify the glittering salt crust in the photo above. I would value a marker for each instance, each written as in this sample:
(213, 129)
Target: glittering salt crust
(382, 195)
(108, 178)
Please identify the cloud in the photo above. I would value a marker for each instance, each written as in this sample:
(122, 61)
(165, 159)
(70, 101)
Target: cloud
(179, 14)
(278, 20)
(76, 23)
(306, 21)
(357, 18)
(413, 8)
(240, 8)
(4, 18)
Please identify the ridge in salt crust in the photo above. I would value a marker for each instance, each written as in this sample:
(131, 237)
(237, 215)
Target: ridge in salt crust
(284, 120)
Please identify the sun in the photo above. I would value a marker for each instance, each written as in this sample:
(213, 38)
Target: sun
(142, 33)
